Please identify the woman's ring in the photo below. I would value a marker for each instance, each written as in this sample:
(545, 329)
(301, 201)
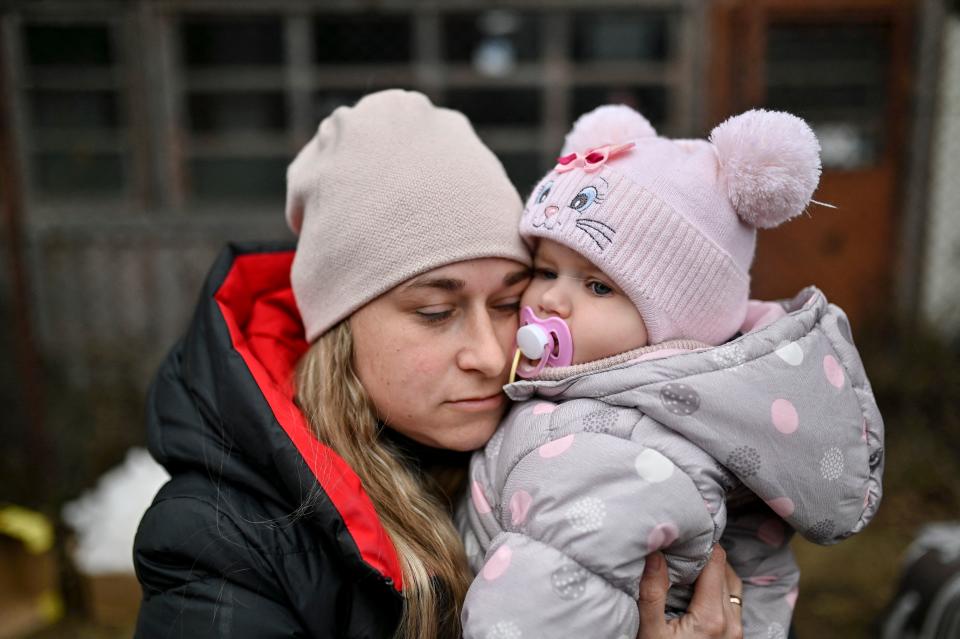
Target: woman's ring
(736, 599)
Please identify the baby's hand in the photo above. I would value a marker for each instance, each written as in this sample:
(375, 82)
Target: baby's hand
(712, 614)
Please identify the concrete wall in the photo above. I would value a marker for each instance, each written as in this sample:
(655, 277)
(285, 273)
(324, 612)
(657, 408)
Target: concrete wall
(941, 291)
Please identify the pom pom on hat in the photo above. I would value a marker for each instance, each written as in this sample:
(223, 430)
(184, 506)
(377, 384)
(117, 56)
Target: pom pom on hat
(770, 161)
(609, 124)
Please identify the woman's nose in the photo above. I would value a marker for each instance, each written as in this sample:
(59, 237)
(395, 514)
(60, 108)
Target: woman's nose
(483, 351)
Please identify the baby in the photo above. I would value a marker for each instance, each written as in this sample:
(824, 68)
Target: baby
(661, 409)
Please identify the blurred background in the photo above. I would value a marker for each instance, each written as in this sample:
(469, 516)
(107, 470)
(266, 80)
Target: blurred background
(138, 136)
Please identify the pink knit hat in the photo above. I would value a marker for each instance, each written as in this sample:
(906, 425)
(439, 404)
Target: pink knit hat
(673, 222)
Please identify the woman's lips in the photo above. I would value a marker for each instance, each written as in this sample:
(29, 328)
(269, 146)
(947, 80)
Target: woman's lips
(478, 404)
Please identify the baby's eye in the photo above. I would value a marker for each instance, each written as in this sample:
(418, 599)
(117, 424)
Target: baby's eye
(544, 192)
(599, 288)
(584, 198)
(544, 274)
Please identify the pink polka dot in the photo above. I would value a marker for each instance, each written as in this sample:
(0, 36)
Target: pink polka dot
(833, 371)
(520, 506)
(791, 597)
(711, 507)
(556, 447)
(783, 506)
(762, 580)
(662, 536)
(498, 563)
(544, 408)
(784, 415)
(770, 532)
(479, 500)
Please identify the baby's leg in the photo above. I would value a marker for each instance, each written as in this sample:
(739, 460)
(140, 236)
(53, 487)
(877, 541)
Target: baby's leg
(758, 549)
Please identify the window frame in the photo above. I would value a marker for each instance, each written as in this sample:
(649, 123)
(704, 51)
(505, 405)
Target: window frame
(154, 86)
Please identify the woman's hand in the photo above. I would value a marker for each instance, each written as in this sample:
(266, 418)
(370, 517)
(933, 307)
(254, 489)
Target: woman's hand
(711, 615)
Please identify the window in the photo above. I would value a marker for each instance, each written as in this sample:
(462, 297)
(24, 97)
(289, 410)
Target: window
(603, 36)
(363, 39)
(75, 114)
(235, 107)
(482, 38)
(227, 97)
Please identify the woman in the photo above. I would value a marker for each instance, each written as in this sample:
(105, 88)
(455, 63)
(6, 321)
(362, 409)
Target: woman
(316, 416)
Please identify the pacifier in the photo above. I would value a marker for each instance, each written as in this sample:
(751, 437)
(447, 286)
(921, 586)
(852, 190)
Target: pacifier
(546, 341)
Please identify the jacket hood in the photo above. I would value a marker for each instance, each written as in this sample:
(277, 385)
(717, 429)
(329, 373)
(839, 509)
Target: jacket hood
(787, 408)
(222, 403)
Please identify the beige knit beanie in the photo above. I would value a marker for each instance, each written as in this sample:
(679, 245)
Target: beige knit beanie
(388, 189)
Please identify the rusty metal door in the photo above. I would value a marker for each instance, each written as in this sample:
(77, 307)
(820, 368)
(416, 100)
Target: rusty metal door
(844, 66)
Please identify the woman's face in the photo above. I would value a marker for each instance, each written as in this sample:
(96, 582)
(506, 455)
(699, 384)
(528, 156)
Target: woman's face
(434, 352)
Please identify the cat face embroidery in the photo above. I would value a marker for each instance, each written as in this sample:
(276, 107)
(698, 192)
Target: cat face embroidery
(548, 214)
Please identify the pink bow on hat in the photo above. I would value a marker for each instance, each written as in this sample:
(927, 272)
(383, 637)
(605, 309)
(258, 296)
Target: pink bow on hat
(592, 160)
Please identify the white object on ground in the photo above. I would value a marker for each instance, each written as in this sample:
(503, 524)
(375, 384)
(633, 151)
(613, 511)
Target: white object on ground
(105, 519)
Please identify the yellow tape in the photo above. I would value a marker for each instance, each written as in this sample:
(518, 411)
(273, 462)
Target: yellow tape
(30, 527)
(50, 606)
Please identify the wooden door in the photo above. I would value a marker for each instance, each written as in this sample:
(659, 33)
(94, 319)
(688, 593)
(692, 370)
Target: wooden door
(843, 65)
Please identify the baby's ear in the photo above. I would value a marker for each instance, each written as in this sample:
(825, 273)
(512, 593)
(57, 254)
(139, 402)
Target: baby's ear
(770, 162)
(608, 124)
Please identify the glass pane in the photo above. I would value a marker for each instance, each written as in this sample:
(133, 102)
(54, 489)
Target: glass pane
(819, 43)
(835, 77)
(493, 41)
(525, 170)
(365, 38)
(78, 173)
(239, 178)
(73, 45)
(217, 41)
(497, 107)
(650, 101)
(224, 112)
(74, 109)
(621, 35)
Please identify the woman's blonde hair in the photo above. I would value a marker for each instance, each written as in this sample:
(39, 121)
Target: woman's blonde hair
(413, 508)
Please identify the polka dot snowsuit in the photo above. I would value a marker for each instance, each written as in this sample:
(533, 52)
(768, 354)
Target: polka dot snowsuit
(744, 443)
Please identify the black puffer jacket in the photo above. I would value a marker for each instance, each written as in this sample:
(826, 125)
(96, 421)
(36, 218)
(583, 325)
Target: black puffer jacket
(262, 531)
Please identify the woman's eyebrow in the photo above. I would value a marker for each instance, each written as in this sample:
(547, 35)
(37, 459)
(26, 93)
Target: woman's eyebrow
(442, 283)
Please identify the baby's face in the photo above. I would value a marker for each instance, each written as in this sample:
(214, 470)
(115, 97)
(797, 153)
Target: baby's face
(602, 320)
